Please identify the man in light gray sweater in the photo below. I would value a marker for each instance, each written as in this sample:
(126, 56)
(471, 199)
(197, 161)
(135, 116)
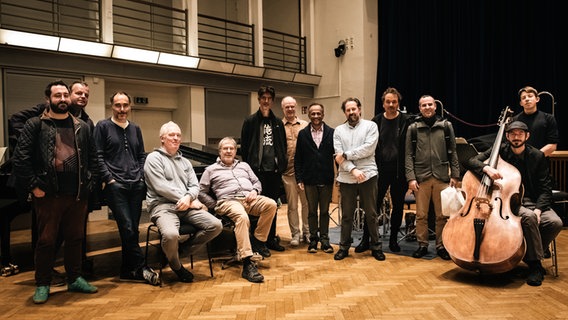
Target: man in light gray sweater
(172, 199)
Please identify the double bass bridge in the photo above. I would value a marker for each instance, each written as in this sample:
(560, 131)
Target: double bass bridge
(483, 206)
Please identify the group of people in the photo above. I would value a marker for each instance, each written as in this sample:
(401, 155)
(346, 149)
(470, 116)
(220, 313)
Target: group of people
(62, 159)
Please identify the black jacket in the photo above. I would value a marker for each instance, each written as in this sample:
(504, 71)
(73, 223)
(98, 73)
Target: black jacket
(251, 150)
(313, 165)
(536, 178)
(18, 120)
(35, 152)
(403, 122)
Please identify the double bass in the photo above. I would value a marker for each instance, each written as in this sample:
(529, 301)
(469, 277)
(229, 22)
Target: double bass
(485, 235)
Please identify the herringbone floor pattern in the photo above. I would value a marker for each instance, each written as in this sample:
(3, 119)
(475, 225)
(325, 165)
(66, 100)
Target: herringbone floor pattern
(298, 285)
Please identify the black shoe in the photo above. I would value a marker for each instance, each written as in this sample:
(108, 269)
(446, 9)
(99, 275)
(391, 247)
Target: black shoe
(443, 253)
(378, 254)
(259, 247)
(184, 275)
(341, 254)
(250, 272)
(420, 252)
(132, 276)
(313, 247)
(363, 245)
(393, 244)
(536, 274)
(326, 247)
(547, 253)
(274, 245)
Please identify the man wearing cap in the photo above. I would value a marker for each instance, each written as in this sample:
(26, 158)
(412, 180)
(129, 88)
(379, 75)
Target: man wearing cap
(539, 222)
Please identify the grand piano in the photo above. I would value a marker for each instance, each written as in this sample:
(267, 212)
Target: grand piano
(10, 206)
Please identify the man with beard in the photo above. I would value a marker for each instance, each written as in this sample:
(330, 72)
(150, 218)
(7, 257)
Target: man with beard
(354, 142)
(389, 157)
(121, 156)
(79, 99)
(539, 222)
(55, 161)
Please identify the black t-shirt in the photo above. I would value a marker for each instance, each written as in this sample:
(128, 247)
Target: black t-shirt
(388, 141)
(542, 127)
(65, 161)
(268, 163)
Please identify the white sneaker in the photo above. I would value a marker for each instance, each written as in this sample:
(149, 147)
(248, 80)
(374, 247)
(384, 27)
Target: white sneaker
(295, 241)
(256, 257)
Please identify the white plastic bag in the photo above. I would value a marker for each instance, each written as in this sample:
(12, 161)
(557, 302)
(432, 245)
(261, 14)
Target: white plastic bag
(452, 200)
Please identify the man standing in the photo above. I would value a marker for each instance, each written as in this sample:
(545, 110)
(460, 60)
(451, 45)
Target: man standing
(263, 147)
(389, 157)
(542, 125)
(237, 195)
(315, 174)
(539, 222)
(79, 99)
(354, 142)
(55, 161)
(121, 156)
(172, 199)
(431, 163)
(293, 125)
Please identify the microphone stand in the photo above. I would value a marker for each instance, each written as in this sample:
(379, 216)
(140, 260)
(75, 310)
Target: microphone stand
(551, 97)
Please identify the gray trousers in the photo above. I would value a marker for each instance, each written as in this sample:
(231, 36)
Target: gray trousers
(538, 236)
(168, 220)
(367, 192)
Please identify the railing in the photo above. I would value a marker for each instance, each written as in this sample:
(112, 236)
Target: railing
(284, 51)
(224, 40)
(146, 25)
(77, 19)
(559, 169)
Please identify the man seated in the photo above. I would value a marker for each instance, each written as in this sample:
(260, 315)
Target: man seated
(172, 199)
(539, 221)
(237, 194)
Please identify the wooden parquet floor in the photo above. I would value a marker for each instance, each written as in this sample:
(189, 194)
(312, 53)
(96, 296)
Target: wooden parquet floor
(298, 285)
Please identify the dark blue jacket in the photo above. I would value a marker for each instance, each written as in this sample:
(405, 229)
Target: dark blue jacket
(313, 165)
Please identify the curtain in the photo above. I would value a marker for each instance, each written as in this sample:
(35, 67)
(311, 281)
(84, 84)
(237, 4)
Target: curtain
(473, 56)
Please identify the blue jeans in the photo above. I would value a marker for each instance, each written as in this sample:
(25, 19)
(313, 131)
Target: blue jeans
(318, 196)
(125, 202)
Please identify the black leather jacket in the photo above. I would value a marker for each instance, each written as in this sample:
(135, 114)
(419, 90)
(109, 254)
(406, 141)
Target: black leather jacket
(35, 152)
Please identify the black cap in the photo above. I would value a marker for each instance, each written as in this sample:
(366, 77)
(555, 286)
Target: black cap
(517, 125)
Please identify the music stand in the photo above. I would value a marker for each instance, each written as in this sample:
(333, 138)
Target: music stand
(464, 151)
